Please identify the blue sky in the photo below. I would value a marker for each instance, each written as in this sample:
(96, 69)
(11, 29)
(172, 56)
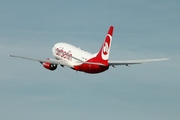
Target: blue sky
(143, 29)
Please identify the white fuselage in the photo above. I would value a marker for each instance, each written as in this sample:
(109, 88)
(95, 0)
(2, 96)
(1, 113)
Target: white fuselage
(70, 54)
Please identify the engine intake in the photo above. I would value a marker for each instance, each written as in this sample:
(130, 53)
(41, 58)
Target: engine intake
(49, 66)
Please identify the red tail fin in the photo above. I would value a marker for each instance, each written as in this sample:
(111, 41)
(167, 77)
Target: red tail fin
(103, 53)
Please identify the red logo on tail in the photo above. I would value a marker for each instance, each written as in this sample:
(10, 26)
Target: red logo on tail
(106, 47)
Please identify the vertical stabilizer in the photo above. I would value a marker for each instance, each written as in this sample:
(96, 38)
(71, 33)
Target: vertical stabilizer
(103, 54)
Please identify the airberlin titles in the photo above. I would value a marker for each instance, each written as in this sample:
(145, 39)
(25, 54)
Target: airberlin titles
(64, 54)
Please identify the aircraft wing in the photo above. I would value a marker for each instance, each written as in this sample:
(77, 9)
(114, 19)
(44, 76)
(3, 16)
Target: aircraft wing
(41, 61)
(61, 62)
(129, 62)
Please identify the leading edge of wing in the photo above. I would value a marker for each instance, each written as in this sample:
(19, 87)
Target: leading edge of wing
(128, 62)
(39, 60)
(52, 61)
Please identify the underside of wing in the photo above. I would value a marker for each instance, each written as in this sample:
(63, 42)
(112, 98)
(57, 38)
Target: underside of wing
(129, 62)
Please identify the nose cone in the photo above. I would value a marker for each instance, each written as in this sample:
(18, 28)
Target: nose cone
(54, 50)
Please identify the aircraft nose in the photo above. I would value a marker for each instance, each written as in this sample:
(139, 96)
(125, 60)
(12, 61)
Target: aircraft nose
(54, 50)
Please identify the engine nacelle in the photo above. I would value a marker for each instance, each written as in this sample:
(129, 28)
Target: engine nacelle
(49, 66)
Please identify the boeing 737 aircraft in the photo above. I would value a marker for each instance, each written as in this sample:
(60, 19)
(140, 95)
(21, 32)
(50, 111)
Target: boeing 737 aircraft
(80, 60)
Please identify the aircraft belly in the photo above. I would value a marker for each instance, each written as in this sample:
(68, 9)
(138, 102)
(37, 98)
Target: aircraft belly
(91, 68)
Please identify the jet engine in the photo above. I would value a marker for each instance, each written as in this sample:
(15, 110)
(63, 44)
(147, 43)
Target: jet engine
(49, 66)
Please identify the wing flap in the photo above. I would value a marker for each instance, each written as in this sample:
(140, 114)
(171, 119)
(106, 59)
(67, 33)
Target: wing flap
(129, 62)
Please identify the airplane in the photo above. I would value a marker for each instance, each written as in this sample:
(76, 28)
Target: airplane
(81, 60)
